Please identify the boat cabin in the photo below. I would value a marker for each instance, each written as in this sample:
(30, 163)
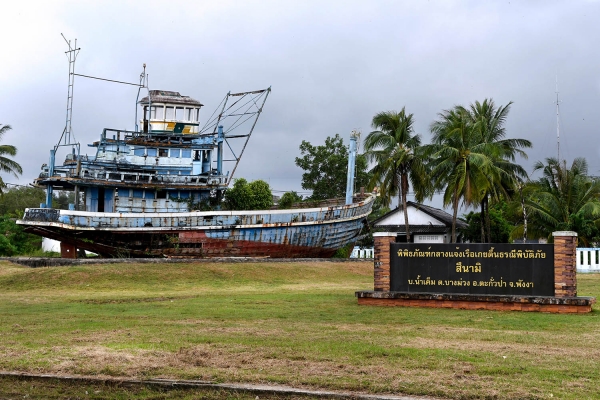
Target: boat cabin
(170, 112)
(166, 166)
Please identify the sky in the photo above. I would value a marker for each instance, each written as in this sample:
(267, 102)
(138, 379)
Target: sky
(332, 65)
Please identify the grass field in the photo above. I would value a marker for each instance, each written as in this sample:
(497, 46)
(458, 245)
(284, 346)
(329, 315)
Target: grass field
(296, 324)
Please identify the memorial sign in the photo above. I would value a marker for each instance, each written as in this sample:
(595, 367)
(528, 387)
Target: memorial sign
(473, 268)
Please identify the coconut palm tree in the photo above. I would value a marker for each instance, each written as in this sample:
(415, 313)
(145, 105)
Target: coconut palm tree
(487, 123)
(460, 161)
(399, 163)
(6, 164)
(564, 199)
(472, 160)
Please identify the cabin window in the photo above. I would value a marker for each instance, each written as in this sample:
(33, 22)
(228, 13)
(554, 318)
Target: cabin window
(161, 194)
(151, 152)
(170, 112)
(163, 152)
(160, 112)
(184, 195)
(176, 153)
(149, 195)
(152, 112)
(196, 114)
(138, 193)
(179, 113)
(140, 151)
(121, 192)
(186, 153)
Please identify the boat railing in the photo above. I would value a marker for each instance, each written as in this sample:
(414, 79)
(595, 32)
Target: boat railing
(176, 217)
(109, 134)
(136, 177)
(116, 133)
(132, 177)
(335, 202)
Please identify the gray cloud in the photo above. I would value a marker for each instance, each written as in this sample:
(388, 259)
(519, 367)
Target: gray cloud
(332, 66)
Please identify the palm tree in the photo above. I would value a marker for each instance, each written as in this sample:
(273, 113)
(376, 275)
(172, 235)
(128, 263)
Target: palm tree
(396, 151)
(6, 164)
(460, 161)
(487, 123)
(564, 199)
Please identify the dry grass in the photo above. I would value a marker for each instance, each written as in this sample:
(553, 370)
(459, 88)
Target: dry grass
(289, 323)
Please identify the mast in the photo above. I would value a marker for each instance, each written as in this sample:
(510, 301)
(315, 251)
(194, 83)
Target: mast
(67, 138)
(351, 164)
(557, 123)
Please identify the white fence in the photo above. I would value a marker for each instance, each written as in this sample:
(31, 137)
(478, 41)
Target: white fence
(588, 259)
(357, 252)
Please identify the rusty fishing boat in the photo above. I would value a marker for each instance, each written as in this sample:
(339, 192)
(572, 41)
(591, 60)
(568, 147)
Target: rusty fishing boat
(143, 190)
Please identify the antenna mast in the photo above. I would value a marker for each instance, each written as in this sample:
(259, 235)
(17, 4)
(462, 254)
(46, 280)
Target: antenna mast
(67, 137)
(557, 123)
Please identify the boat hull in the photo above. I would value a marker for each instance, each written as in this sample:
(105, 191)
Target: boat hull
(317, 232)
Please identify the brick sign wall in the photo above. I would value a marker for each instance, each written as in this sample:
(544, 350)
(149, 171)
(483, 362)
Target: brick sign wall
(487, 269)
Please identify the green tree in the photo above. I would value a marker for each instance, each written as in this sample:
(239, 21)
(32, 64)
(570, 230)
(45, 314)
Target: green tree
(459, 165)
(563, 199)
(289, 199)
(19, 198)
(326, 168)
(500, 227)
(13, 238)
(487, 123)
(472, 161)
(399, 161)
(61, 199)
(6, 164)
(262, 198)
(255, 195)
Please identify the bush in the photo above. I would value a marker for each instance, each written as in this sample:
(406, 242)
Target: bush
(14, 240)
(248, 196)
(289, 199)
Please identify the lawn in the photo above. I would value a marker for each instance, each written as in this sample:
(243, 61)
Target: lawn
(296, 324)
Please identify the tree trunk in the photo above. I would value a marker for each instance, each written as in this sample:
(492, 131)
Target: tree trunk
(482, 221)
(524, 214)
(455, 212)
(488, 222)
(404, 183)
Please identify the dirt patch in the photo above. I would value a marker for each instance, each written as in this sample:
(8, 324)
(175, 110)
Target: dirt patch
(242, 364)
(135, 300)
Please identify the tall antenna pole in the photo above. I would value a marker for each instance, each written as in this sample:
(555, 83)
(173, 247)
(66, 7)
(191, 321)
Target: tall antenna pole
(67, 137)
(557, 123)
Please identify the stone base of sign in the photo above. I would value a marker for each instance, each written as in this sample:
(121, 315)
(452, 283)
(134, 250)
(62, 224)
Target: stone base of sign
(478, 302)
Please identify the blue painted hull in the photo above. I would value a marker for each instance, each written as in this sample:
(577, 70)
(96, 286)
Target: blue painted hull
(313, 232)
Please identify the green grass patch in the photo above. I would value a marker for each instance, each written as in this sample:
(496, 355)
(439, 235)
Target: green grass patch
(290, 323)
